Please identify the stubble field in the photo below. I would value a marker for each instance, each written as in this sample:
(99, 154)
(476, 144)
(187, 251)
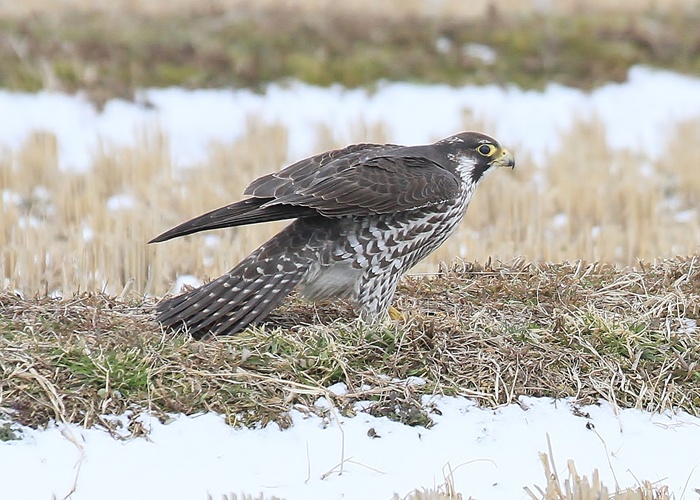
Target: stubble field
(66, 231)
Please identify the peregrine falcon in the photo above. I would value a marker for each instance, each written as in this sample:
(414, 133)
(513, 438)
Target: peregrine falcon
(363, 216)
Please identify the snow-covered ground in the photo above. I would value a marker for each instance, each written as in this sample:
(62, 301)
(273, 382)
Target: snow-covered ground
(488, 454)
(638, 114)
(491, 453)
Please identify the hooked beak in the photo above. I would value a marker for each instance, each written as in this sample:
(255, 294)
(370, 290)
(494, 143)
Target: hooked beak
(504, 159)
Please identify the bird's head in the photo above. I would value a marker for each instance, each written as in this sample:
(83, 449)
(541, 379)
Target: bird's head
(474, 154)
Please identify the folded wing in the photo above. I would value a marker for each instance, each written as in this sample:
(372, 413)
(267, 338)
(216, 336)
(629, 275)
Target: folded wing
(359, 180)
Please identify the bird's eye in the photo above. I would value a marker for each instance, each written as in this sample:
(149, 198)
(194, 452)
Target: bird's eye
(486, 149)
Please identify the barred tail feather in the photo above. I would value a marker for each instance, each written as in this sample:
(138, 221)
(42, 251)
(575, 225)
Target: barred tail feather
(239, 298)
(217, 309)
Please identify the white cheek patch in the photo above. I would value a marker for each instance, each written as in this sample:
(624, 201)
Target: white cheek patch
(465, 166)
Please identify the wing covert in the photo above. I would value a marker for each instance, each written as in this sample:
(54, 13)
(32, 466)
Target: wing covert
(369, 180)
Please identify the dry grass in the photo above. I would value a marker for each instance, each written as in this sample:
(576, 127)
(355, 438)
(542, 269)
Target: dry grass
(58, 232)
(576, 487)
(490, 332)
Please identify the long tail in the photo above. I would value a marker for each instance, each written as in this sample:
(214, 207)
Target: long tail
(243, 296)
(250, 211)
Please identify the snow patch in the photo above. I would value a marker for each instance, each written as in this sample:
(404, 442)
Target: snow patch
(492, 453)
(528, 121)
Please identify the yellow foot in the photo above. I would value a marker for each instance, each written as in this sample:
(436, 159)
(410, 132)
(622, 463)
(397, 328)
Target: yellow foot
(395, 314)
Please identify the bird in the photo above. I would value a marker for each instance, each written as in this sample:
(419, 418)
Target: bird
(362, 215)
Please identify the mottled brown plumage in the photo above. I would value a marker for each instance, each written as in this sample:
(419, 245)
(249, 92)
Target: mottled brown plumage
(364, 215)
